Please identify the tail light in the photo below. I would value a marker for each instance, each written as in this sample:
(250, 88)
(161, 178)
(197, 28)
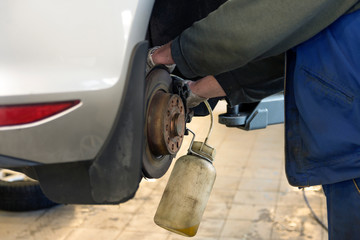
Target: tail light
(11, 115)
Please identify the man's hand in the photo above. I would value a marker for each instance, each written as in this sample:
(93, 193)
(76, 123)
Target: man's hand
(152, 62)
(192, 99)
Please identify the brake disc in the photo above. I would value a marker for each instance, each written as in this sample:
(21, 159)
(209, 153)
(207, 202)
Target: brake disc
(164, 124)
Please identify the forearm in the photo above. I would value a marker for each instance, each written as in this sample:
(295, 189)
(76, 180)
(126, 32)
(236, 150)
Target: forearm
(249, 83)
(163, 55)
(254, 81)
(207, 87)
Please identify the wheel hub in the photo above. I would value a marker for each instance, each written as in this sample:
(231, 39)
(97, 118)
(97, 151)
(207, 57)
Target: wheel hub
(166, 124)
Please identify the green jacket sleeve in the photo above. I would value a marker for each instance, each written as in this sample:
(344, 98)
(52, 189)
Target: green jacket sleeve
(241, 31)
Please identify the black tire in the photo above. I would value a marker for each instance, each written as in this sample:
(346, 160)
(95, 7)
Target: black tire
(158, 79)
(23, 196)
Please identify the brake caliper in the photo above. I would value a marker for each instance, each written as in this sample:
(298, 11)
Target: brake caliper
(182, 89)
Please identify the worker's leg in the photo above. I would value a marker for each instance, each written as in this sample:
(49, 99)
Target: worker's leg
(343, 206)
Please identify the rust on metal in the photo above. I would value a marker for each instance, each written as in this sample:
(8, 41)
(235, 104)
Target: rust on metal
(165, 124)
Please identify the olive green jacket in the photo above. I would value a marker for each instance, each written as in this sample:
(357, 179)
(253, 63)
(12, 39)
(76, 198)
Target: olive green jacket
(241, 31)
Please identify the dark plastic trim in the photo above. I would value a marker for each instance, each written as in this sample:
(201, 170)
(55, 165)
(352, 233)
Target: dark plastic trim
(11, 162)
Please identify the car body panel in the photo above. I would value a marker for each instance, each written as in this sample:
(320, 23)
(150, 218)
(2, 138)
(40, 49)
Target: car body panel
(67, 46)
(66, 50)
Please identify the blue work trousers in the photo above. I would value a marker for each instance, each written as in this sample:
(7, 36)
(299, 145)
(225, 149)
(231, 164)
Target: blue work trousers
(343, 206)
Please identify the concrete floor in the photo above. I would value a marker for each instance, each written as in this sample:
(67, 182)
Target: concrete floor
(251, 199)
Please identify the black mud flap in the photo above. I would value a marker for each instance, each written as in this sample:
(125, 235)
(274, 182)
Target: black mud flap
(114, 175)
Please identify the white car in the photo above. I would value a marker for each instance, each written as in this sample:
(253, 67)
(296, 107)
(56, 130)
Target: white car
(76, 113)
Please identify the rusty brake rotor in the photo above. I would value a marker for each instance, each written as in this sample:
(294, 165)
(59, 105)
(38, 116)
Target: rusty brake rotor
(164, 124)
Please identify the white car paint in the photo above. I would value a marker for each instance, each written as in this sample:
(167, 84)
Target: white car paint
(65, 50)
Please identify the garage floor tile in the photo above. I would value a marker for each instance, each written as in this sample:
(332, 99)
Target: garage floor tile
(251, 199)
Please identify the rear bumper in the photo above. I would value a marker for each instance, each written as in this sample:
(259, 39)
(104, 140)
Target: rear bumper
(113, 176)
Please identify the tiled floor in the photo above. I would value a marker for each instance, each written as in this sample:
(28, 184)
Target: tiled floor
(251, 199)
